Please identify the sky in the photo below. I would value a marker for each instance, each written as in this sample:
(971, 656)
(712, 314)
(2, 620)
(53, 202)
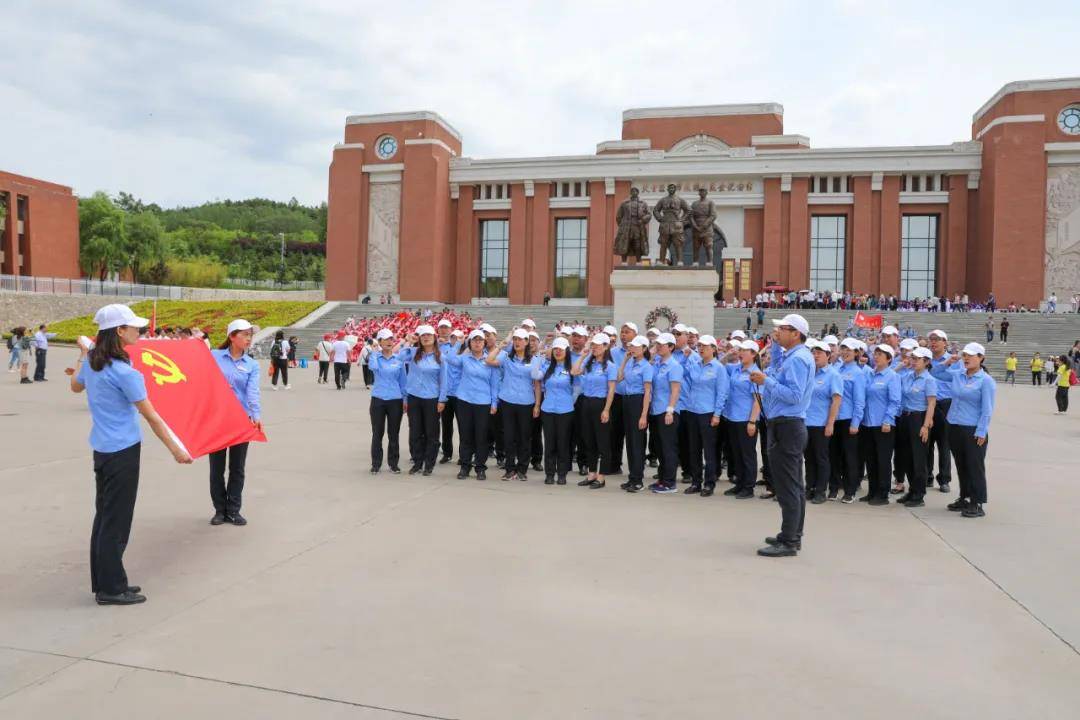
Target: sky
(182, 102)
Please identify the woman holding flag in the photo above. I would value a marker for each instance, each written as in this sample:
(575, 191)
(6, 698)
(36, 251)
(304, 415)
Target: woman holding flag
(116, 395)
(242, 373)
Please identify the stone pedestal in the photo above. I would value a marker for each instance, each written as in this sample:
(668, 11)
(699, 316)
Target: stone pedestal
(687, 291)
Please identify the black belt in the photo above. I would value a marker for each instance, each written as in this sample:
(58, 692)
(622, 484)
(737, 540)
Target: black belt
(783, 420)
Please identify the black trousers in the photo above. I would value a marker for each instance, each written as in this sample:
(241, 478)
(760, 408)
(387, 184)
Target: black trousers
(667, 444)
(446, 419)
(557, 427)
(496, 439)
(1061, 397)
(39, 363)
(879, 448)
(816, 455)
(597, 436)
(281, 367)
(787, 441)
(725, 455)
(939, 440)
(634, 437)
(474, 439)
(369, 377)
(970, 462)
(743, 454)
(766, 470)
(912, 423)
(385, 418)
(324, 370)
(341, 374)
(537, 450)
(845, 464)
(577, 434)
(423, 431)
(228, 498)
(1036, 378)
(682, 434)
(652, 443)
(701, 436)
(617, 433)
(901, 454)
(517, 435)
(116, 476)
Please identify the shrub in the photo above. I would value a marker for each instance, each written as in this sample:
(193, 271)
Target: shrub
(196, 272)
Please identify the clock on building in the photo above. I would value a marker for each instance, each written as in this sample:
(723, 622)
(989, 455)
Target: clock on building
(386, 147)
(1069, 120)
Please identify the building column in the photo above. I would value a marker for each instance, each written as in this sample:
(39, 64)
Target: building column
(466, 280)
(541, 271)
(423, 239)
(889, 258)
(600, 262)
(346, 224)
(859, 274)
(799, 234)
(770, 240)
(517, 253)
(954, 253)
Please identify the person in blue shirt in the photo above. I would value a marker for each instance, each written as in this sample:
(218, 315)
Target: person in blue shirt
(477, 402)
(664, 407)
(620, 347)
(741, 413)
(785, 395)
(387, 401)
(242, 373)
(116, 396)
(973, 394)
(635, 378)
(536, 454)
(705, 397)
(825, 399)
(918, 397)
(423, 388)
(449, 342)
(597, 373)
(556, 410)
(519, 401)
(846, 462)
(942, 368)
(879, 421)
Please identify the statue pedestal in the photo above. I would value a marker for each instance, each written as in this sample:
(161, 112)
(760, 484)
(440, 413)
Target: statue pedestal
(687, 291)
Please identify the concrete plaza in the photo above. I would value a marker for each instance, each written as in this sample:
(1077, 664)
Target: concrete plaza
(359, 596)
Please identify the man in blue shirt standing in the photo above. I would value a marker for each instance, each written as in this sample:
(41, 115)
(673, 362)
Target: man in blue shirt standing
(785, 395)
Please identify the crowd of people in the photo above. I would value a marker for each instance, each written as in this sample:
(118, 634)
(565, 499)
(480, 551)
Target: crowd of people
(846, 300)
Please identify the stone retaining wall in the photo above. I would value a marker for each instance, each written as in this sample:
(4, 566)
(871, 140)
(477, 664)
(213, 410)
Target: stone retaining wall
(223, 294)
(32, 309)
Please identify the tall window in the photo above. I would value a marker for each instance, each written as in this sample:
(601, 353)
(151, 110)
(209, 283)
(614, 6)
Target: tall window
(494, 257)
(570, 258)
(918, 256)
(828, 237)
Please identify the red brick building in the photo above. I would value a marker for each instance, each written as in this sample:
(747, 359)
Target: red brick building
(41, 231)
(409, 216)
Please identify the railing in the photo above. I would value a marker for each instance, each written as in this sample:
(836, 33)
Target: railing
(87, 286)
(275, 285)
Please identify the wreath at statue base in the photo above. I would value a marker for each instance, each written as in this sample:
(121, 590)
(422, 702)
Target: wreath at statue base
(661, 312)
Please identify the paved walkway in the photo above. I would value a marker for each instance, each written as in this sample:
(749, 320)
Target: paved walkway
(353, 596)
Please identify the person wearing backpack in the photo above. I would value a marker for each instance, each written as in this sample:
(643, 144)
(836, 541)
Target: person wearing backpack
(1066, 378)
(279, 360)
(26, 345)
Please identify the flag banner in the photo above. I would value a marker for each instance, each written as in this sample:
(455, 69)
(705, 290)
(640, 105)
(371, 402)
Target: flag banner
(192, 396)
(869, 321)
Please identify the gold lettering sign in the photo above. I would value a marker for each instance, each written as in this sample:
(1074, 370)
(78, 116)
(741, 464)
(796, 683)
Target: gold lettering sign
(744, 275)
(688, 186)
(729, 274)
(170, 373)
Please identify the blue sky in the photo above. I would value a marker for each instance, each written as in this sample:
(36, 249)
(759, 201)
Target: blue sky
(185, 102)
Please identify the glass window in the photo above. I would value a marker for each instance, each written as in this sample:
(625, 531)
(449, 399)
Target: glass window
(571, 250)
(828, 240)
(918, 256)
(494, 257)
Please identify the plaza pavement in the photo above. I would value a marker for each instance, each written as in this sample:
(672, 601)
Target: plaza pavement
(359, 596)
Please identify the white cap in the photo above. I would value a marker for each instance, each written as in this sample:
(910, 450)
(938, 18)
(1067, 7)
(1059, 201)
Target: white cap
(738, 334)
(610, 330)
(814, 344)
(938, 334)
(831, 340)
(424, 330)
(679, 328)
(580, 330)
(652, 331)
(564, 330)
(527, 322)
(561, 343)
(887, 349)
(384, 334)
(850, 343)
(458, 333)
(235, 326)
(692, 331)
(631, 325)
(484, 327)
(666, 339)
(521, 333)
(796, 321)
(601, 339)
(909, 344)
(889, 330)
(707, 340)
(974, 348)
(534, 334)
(445, 323)
(117, 314)
(477, 333)
(640, 341)
(922, 352)
(749, 345)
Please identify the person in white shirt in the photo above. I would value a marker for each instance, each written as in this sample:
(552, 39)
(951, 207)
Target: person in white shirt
(339, 355)
(323, 350)
(41, 346)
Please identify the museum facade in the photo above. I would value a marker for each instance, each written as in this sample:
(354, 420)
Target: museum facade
(412, 218)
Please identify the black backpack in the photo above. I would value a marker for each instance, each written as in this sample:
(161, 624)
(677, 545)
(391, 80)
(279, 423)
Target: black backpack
(11, 342)
(275, 350)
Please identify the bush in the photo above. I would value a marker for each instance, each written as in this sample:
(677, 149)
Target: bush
(196, 272)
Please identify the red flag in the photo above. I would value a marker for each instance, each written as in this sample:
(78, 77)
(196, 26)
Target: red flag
(190, 394)
(869, 321)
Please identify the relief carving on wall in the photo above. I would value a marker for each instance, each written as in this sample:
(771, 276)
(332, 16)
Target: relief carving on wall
(384, 222)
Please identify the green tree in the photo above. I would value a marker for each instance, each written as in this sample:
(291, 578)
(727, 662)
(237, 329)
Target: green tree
(144, 243)
(101, 235)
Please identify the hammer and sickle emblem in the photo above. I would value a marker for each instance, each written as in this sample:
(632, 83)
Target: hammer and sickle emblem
(170, 373)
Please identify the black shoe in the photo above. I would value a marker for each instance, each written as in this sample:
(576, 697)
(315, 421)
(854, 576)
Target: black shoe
(652, 463)
(616, 471)
(944, 487)
(581, 470)
(481, 474)
(973, 510)
(656, 476)
(26, 381)
(634, 486)
(395, 471)
(865, 498)
(624, 485)
(508, 475)
(958, 505)
(904, 498)
(744, 494)
(427, 471)
(708, 489)
(537, 466)
(444, 459)
(549, 480)
(731, 492)
(218, 519)
(818, 499)
(597, 484)
(561, 480)
(878, 501)
(236, 519)
(125, 598)
(694, 489)
(833, 494)
(782, 550)
(584, 483)
(522, 476)
(463, 473)
(415, 469)
(374, 470)
(774, 541)
(914, 503)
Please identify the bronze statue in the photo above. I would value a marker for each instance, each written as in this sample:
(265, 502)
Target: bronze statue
(632, 237)
(671, 212)
(702, 217)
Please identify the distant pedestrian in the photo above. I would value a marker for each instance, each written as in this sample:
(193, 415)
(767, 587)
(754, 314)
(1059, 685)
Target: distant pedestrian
(1010, 369)
(990, 329)
(323, 351)
(1036, 366)
(1065, 377)
(279, 360)
(41, 347)
(1004, 331)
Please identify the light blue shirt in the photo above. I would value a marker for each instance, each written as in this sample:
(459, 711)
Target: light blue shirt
(944, 375)
(479, 382)
(853, 403)
(595, 379)
(558, 388)
(827, 384)
(453, 372)
(973, 401)
(389, 375)
(882, 398)
(618, 352)
(243, 378)
(517, 381)
(635, 375)
(111, 394)
(740, 395)
(709, 387)
(41, 342)
(425, 377)
(786, 392)
(667, 372)
(916, 389)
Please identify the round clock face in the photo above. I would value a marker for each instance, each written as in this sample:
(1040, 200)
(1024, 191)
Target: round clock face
(386, 147)
(1069, 120)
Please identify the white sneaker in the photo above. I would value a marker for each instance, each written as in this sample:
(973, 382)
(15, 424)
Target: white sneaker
(274, 388)
(288, 387)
